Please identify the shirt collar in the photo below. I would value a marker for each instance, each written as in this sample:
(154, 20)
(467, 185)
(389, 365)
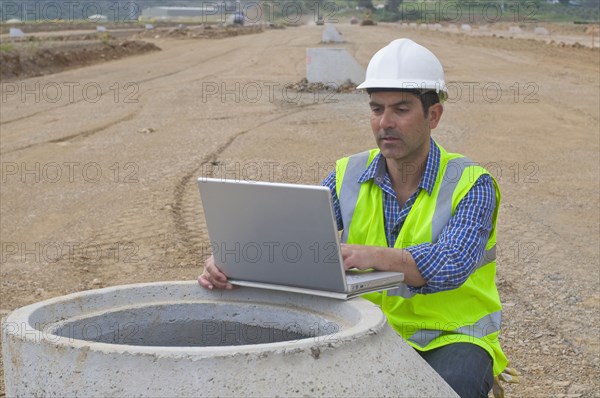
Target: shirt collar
(377, 169)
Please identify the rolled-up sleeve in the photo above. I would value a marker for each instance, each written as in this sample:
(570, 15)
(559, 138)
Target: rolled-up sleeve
(447, 264)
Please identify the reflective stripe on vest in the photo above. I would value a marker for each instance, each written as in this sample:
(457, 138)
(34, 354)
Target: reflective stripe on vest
(483, 327)
(350, 188)
(443, 207)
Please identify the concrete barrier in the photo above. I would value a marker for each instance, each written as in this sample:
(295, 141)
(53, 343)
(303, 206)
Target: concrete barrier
(177, 339)
(515, 30)
(333, 66)
(16, 32)
(331, 35)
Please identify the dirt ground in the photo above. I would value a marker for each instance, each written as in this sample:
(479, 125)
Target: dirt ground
(44, 53)
(99, 167)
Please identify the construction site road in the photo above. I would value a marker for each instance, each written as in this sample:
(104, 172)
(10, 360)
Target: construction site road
(99, 169)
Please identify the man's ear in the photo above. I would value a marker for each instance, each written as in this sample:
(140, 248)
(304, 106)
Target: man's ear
(434, 115)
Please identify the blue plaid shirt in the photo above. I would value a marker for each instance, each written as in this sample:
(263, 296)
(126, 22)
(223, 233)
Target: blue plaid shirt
(447, 263)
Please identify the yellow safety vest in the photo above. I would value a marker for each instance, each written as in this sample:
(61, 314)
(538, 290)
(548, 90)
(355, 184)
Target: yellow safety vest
(470, 313)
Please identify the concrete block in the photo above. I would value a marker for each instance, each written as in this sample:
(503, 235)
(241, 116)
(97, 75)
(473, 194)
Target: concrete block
(97, 18)
(541, 31)
(101, 28)
(16, 32)
(465, 27)
(332, 66)
(178, 339)
(331, 35)
(515, 30)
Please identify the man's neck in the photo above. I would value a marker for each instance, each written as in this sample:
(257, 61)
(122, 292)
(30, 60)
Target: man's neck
(407, 173)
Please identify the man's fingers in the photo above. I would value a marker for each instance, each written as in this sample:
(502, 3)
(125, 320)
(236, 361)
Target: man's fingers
(209, 281)
(212, 277)
(204, 282)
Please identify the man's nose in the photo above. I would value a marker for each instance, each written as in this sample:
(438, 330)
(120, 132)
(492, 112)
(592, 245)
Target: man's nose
(387, 119)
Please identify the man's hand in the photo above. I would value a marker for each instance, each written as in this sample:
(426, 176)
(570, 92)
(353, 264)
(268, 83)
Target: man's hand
(212, 277)
(383, 259)
(361, 257)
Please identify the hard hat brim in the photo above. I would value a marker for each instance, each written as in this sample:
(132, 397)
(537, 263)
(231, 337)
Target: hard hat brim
(437, 86)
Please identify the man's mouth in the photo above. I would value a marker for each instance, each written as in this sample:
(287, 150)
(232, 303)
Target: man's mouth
(386, 136)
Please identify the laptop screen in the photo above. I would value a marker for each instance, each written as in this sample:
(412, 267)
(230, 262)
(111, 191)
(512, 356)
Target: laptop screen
(273, 233)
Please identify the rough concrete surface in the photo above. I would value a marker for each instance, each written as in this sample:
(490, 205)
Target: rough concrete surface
(176, 339)
(331, 35)
(332, 66)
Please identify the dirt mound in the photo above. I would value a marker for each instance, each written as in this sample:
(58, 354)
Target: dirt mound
(201, 32)
(46, 54)
(304, 86)
(21, 63)
(53, 26)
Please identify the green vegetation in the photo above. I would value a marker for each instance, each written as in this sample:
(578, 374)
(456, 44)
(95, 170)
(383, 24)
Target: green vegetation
(475, 11)
(104, 38)
(585, 12)
(6, 47)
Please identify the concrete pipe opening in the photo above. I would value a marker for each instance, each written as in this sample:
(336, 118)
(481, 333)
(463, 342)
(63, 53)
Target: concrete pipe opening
(194, 325)
(177, 339)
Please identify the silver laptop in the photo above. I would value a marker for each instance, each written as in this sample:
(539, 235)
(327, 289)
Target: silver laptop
(283, 237)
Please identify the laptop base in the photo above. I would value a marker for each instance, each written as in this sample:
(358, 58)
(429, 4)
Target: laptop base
(302, 290)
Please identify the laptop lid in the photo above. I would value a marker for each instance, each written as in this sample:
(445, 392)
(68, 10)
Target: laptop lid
(275, 233)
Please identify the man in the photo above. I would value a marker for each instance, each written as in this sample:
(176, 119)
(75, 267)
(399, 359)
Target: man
(412, 207)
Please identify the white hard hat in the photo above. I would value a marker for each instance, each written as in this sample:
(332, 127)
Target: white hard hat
(404, 64)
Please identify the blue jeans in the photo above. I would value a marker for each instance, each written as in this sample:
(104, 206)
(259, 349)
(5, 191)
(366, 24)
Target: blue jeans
(466, 367)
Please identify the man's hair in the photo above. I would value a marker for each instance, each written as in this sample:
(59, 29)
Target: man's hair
(427, 97)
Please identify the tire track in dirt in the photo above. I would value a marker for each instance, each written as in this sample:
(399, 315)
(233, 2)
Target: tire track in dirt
(188, 219)
(83, 134)
(125, 118)
(143, 237)
(187, 215)
(103, 92)
(536, 325)
(151, 235)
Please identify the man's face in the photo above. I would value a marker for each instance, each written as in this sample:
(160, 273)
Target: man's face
(399, 125)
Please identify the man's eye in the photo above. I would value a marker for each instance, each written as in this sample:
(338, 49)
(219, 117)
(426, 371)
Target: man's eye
(376, 110)
(401, 110)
